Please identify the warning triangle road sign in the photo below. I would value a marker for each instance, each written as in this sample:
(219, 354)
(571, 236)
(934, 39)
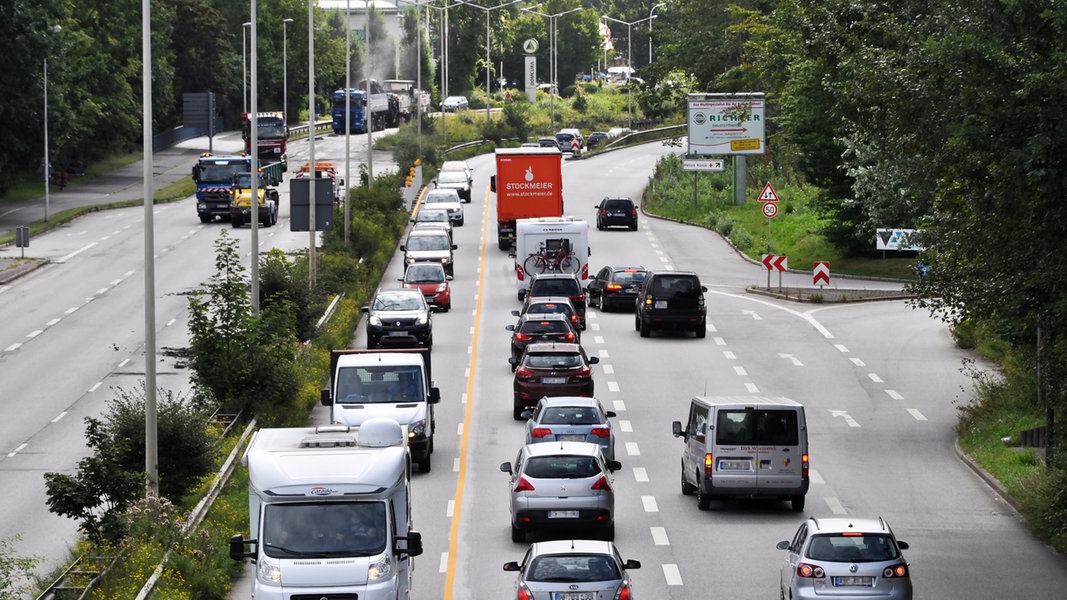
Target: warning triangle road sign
(768, 194)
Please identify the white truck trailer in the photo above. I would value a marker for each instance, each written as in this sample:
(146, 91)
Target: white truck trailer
(550, 245)
(329, 513)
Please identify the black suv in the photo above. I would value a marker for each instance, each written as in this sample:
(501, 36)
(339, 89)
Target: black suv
(558, 284)
(399, 316)
(615, 287)
(533, 328)
(671, 300)
(613, 212)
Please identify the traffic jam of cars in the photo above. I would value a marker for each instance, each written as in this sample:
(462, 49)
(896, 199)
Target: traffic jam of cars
(561, 479)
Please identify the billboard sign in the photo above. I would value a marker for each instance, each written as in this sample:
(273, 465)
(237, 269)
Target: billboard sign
(726, 124)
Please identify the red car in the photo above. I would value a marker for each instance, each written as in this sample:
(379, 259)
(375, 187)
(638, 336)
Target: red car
(430, 279)
(551, 369)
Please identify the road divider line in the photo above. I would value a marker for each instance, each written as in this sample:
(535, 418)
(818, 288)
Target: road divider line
(620, 405)
(659, 536)
(613, 386)
(640, 475)
(858, 362)
(751, 387)
(729, 355)
(625, 426)
(608, 369)
(815, 477)
(875, 378)
(918, 415)
(841, 348)
(632, 449)
(835, 505)
(671, 574)
(739, 370)
(20, 448)
(894, 395)
(64, 259)
(649, 503)
(719, 341)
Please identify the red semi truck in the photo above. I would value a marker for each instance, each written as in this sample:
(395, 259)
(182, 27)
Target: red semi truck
(272, 135)
(528, 183)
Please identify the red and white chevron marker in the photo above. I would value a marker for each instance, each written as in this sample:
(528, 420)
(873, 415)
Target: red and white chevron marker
(775, 263)
(821, 273)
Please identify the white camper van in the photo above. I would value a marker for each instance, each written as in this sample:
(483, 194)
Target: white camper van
(550, 245)
(329, 513)
(744, 446)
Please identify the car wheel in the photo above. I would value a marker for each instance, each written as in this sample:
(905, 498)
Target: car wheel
(646, 329)
(207, 218)
(518, 535)
(517, 410)
(429, 341)
(798, 503)
(424, 465)
(702, 330)
(634, 226)
(460, 222)
(236, 222)
(448, 306)
(703, 498)
(688, 489)
(637, 323)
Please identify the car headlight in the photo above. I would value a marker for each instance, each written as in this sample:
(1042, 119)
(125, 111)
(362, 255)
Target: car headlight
(424, 319)
(202, 205)
(444, 260)
(441, 288)
(411, 260)
(375, 320)
(269, 572)
(418, 428)
(382, 569)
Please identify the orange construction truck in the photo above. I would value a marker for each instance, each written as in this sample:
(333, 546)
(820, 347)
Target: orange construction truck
(528, 183)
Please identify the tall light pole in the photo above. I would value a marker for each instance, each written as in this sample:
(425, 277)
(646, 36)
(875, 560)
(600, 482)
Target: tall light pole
(253, 125)
(650, 18)
(488, 45)
(366, 107)
(443, 62)
(348, 110)
(285, 70)
(553, 54)
(244, 66)
(47, 155)
(629, 61)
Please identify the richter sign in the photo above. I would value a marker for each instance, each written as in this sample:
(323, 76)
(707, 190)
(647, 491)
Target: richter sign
(726, 124)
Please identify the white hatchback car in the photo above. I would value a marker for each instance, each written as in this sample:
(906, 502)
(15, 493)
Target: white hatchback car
(445, 199)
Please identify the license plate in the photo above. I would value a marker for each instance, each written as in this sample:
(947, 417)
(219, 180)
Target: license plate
(573, 596)
(854, 580)
(554, 380)
(397, 333)
(562, 514)
(572, 437)
(660, 304)
(734, 465)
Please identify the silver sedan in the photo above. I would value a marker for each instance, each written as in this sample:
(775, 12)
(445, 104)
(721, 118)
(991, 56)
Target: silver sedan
(571, 419)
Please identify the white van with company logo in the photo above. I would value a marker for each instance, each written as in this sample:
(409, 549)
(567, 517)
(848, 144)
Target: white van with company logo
(744, 446)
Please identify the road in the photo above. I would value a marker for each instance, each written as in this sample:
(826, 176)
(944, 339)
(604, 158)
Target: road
(73, 332)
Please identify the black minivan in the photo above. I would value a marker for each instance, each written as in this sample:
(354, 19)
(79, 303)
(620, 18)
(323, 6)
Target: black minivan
(671, 300)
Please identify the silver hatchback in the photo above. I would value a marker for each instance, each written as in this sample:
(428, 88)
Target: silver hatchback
(561, 486)
(573, 569)
(571, 418)
(845, 557)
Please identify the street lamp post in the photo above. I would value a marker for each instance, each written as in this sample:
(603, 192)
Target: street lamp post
(444, 60)
(285, 70)
(244, 66)
(553, 54)
(488, 62)
(47, 163)
(629, 61)
(650, 18)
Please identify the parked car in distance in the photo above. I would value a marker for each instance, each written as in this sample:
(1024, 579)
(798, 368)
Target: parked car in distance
(548, 142)
(398, 316)
(616, 212)
(571, 419)
(845, 557)
(596, 138)
(558, 284)
(616, 287)
(432, 218)
(455, 103)
(533, 328)
(429, 245)
(447, 200)
(430, 279)
(573, 569)
(671, 300)
(551, 304)
(561, 487)
(551, 369)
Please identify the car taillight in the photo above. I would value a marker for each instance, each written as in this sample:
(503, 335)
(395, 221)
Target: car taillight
(810, 571)
(603, 211)
(602, 484)
(633, 211)
(569, 336)
(613, 287)
(623, 593)
(708, 462)
(523, 486)
(804, 464)
(540, 432)
(521, 337)
(895, 571)
(520, 272)
(601, 432)
(524, 375)
(585, 271)
(524, 593)
(574, 318)
(583, 374)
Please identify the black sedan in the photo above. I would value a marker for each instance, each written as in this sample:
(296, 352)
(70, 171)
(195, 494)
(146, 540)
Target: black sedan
(614, 287)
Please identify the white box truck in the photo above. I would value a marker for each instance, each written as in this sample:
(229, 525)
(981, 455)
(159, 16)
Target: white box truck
(550, 245)
(393, 383)
(329, 513)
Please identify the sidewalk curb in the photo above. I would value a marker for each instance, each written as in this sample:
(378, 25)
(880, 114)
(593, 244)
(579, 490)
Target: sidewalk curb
(22, 267)
(987, 477)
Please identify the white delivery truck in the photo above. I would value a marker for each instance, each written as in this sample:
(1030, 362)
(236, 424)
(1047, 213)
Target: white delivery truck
(393, 383)
(329, 513)
(550, 245)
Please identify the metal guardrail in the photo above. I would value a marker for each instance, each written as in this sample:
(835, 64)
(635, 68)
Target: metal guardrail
(298, 130)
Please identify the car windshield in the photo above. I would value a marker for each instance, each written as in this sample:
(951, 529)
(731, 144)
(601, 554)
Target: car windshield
(428, 242)
(555, 360)
(398, 302)
(424, 273)
(554, 287)
(561, 467)
(438, 216)
(571, 415)
(452, 177)
(537, 326)
(674, 286)
(760, 427)
(573, 568)
(381, 384)
(324, 530)
(853, 548)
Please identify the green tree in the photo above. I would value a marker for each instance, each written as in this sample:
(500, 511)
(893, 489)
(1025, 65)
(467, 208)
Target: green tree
(14, 568)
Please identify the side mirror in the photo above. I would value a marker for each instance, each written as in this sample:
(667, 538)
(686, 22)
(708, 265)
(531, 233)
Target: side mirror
(513, 361)
(614, 465)
(434, 396)
(237, 548)
(902, 545)
(402, 248)
(526, 414)
(593, 360)
(509, 327)
(632, 564)
(492, 183)
(364, 309)
(511, 566)
(506, 467)
(514, 313)
(676, 429)
(609, 414)
(324, 397)
(449, 278)
(703, 288)
(784, 545)
(455, 247)
(411, 544)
